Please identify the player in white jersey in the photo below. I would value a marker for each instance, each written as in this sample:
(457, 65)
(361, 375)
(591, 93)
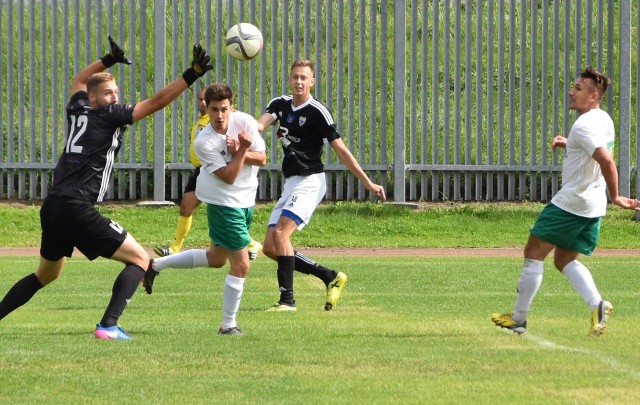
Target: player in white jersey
(230, 149)
(570, 224)
(304, 125)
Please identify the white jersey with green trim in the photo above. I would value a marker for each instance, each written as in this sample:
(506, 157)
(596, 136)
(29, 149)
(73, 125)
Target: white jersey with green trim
(583, 189)
(211, 149)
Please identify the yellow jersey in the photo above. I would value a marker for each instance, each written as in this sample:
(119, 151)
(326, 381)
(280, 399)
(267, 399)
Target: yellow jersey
(202, 122)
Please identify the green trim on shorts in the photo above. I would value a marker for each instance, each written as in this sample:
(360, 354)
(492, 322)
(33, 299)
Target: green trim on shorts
(566, 230)
(229, 227)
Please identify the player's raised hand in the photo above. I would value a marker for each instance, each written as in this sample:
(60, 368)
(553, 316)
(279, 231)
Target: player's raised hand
(199, 65)
(115, 55)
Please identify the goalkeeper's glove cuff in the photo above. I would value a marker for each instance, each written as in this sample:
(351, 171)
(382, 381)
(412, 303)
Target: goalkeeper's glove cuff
(108, 60)
(190, 76)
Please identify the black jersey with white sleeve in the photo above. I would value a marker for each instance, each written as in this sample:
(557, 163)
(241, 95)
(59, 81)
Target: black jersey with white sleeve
(92, 143)
(302, 130)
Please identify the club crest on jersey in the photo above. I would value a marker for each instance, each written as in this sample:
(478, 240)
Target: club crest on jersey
(302, 120)
(290, 118)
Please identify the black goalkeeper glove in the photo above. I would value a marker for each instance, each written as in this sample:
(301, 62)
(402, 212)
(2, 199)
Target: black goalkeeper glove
(116, 55)
(199, 65)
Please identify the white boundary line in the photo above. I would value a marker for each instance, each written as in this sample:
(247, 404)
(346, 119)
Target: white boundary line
(612, 362)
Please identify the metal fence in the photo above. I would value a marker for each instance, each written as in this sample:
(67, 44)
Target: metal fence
(438, 100)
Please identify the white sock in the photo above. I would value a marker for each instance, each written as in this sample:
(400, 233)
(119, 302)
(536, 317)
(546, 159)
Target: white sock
(231, 295)
(582, 281)
(528, 285)
(183, 260)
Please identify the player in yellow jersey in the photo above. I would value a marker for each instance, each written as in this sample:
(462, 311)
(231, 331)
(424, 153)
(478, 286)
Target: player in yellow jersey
(190, 202)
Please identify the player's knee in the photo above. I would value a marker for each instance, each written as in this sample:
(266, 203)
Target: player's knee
(186, 210)
(269, 250)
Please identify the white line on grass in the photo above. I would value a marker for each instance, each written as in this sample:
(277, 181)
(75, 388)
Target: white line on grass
(615, 364)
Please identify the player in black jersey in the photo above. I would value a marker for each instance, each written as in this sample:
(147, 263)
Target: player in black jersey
(68, 218)
(304, 124)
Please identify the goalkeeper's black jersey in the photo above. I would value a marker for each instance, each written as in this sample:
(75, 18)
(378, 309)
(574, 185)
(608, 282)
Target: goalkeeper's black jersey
(93, 140)
(305, 128)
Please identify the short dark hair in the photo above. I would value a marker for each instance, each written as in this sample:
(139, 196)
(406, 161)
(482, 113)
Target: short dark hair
(303, 63)
(600, 81)
(218, 92)
(96, 79)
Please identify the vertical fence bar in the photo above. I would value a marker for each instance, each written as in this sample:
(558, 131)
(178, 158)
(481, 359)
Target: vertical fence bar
(637, 127)
(624, 97)
(533, 88)
(159, 78)
(511, 181)
(457, 69)
(501, 102)
(350, 92)
(637, 109)
(143, 125)
(600, 35)
(329, 87)
(362, 117)
(446, 96)
(588, 41)
(384, 23)
(413, 107)
(21, 99)
(555, 88)
(399, 84)
(567, 70)
(435, 100)
(3, 102)
(480, 21)
(10, 102)
(424, 99)
(32, 97)
(544, 98)
(44, 121)
(522, 102)
(610, 47)
(467, 101)
(490, 99)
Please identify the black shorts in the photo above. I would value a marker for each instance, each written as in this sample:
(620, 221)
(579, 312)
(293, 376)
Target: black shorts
(68, 222)
(191, 183)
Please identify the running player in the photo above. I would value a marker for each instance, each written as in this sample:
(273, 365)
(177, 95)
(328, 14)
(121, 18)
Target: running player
(231, 150)
(68, 218)
(189, 202)
(304, 124)
(570, 223)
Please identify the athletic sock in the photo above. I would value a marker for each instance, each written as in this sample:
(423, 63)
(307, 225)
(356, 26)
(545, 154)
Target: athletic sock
(182, 229)
(231, 296)
(285, 279)
(307, 266)
(183, 260)
(528, 285)
(582, 281)
(123, 289)
(19, 294)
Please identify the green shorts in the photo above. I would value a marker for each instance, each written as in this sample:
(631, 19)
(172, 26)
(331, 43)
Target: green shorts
(229, 227)
(566, 230)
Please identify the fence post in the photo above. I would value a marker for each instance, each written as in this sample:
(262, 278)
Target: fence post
(159, 78)
(624, 94)
(399, 100)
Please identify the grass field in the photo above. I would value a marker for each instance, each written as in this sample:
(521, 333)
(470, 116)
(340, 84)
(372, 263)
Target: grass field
(407, 330)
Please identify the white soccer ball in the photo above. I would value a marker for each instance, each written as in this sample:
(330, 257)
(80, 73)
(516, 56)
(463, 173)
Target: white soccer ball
(244, 41)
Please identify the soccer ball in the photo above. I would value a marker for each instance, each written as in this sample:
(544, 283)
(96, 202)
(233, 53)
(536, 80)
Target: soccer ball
(244, 41)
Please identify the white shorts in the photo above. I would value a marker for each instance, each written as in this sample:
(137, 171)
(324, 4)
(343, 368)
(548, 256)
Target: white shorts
(300, 197)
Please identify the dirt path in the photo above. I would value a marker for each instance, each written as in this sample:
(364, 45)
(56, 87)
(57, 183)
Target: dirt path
(384, 252)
